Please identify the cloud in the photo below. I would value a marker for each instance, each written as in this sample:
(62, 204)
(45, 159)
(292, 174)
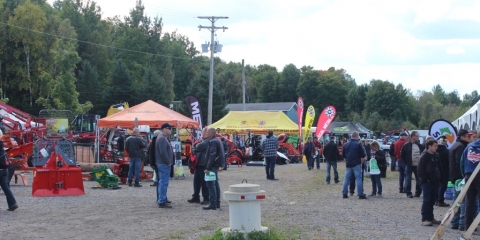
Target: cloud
(455, 50)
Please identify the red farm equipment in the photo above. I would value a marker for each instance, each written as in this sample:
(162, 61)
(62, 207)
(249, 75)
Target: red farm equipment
(288, 149)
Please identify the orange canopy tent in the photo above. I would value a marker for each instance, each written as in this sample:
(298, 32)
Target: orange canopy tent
(148, 113)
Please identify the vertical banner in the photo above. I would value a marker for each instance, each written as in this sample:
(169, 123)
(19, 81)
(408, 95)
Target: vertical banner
(441, 127)
(309, 117)
(196, 112)
(326, 117)
(300, 117)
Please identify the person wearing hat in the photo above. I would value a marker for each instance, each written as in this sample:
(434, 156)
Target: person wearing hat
(164, 161)
(410, 155)
(134, 146)
(442, 152)
(269, 147)
(455, 174)
(400, 165)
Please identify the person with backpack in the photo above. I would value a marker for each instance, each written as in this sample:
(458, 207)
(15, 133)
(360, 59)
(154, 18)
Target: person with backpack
(4, 163)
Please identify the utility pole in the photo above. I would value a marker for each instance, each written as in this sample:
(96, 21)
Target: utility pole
(212, 49)
(243, 83)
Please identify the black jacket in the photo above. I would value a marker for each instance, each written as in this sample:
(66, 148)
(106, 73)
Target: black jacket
(201, 152)
(429, 168)
(330, 152)
(121, 143)
(367, 151)
(151, 153)
(406, 153)
(381, 159)
(134, 146)
(454, 155)
(392, 150)
(442, 151)
(215, 154)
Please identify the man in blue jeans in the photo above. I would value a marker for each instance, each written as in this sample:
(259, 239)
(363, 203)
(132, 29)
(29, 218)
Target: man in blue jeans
(4, 182)
(216, 159)
(331, 155)
(269, 147)
(400, 166)
(410, 156)
(134, 146)
(354, 155)
(164, 160)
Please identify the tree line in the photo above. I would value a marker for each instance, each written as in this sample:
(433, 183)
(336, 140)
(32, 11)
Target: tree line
(65, 56)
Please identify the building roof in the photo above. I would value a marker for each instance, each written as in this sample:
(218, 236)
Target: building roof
(275, 106)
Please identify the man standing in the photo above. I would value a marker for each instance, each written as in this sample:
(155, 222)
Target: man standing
(400, 164)
(331, 154)
(410, 156)
(151, 159)
(269, 147)
(354, 155)
(4, 182)
(471, 157)
(199, 174)
(134, 146)
(454, 156)
(216, 159)
(163, 159)
(121, 143)
(391, 152)
(430, 177)
(309, 151)
(318, 148)
(442, 151)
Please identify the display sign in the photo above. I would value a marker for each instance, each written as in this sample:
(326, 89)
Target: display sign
(57, 127)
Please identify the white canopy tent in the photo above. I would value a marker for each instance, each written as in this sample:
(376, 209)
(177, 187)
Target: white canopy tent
(469, 120)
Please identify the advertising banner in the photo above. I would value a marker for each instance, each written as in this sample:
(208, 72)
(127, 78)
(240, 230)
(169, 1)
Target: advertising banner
(300, 116)
(441, 127)
(309, 118)
(325, 119)
(196, 112)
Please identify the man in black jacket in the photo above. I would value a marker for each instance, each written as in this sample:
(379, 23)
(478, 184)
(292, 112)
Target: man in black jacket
(430, 177)
(134, 146)
(216, 159)
(454, 156)
(442, 151)
(199, 172)
(331, 154)
(410, 155)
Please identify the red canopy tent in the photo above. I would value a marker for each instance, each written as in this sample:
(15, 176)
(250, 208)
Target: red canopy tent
(148, 113)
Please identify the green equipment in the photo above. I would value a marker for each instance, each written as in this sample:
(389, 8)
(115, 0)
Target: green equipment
(105, 177)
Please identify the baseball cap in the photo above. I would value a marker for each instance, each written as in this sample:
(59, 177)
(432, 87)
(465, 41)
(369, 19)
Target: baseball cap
(463, 132)
(403, 134)
(166, 125)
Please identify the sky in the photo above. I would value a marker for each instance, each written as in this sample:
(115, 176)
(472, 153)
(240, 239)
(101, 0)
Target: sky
(416, 43)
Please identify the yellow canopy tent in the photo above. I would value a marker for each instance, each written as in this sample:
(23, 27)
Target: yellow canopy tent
(243, 122)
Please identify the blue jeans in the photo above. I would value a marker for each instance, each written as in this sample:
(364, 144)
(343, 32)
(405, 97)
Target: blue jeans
(408, 180)
(310, 160)
(6, 188)
(318, 161)
(401, 176)
(270, 167)
(393, 160)
(335, 172)
(458, 219)
(164, 179)
(134, 165)
(376, 183)
(357, 172)
(214, 191)
(430, 192)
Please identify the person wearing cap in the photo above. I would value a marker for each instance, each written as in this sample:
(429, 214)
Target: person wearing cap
(410, 155)
(455, 174)
(134, 146)
(400, 165)
(442, 152)
(470, 159)
(269, 147)
(164, 161)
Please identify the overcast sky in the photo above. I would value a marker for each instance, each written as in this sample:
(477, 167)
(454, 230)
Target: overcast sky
(416, 43)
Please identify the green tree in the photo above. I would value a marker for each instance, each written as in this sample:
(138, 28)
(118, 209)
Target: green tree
(121, 85)
(307, 85)
(383, 98)
(267, 79)
(28, 16)
(332, 88)
(440, 94)
(89, 86)
(154, 87)
(289, 79)
(454, 98)
(356, 98)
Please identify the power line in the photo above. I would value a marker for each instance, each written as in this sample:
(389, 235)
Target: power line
(96, 44)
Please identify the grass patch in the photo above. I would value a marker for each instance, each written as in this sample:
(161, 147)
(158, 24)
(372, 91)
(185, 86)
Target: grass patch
(272, 234)
(177, 234)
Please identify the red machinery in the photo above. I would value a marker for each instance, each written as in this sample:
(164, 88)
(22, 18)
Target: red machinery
(21, 134)
(288, 149)
(56, 172)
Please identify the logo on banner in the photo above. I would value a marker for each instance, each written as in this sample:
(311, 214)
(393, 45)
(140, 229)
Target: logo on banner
(326, 118)
(443, 127)
(196, 112)
(330, 111)
(261, 123)
(300, 103)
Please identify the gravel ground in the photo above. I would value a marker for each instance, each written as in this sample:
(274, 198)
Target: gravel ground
(299, 206)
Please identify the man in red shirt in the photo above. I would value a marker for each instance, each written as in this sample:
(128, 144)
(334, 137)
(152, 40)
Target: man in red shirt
(400, 164)
(318, 147)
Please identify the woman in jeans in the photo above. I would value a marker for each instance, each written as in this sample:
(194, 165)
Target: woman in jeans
(379, 155)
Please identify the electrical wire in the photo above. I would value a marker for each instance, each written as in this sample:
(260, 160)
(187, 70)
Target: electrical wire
(96, 44)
